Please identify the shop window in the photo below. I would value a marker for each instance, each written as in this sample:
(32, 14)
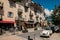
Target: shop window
(10, 14)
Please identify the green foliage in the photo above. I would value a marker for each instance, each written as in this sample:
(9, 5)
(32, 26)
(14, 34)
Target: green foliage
(56, 15)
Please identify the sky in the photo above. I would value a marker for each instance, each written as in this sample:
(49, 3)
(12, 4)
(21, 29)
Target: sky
(48, 4)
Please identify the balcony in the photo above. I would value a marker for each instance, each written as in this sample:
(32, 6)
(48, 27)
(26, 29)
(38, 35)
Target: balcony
(20, 10)
(37, 16)
(19, 18)
(31, 19)
(31, 14)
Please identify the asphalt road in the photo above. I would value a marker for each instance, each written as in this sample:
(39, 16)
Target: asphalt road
(34, 35)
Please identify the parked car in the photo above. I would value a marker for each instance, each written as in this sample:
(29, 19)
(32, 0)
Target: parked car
(54, 28)
(46, 32)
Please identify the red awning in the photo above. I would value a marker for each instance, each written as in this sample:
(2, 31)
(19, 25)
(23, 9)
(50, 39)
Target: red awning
(7, 22)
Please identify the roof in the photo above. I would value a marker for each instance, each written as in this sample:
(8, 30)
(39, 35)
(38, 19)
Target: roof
(36, 6)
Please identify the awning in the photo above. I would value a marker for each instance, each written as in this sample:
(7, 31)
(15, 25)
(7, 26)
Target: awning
(7, 21)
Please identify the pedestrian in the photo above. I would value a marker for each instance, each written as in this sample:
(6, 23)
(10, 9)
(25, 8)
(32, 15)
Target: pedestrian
(14, 29)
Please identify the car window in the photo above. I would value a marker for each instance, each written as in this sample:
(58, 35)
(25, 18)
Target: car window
(56, 27)
(47, 28)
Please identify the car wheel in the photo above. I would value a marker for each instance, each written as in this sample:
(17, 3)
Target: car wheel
(49, 36)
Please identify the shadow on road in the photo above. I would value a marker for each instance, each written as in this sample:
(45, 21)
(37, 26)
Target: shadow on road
(44, 36)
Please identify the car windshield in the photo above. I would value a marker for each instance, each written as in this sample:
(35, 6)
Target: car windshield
(47, 28)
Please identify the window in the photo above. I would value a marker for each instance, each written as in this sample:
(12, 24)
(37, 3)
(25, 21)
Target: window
(37, 18)
(19, 14)
(35, 10)
(1, 5)
(0, 2)
(40, 18)
(12, 4)
(26, 9)
(31, 17)
(10, 14)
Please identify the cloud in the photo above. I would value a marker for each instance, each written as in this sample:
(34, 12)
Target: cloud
(48, 12)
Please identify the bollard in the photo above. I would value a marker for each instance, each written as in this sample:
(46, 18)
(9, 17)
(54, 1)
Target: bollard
(29, 38)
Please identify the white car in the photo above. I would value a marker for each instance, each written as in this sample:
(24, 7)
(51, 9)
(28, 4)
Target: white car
(46, 32)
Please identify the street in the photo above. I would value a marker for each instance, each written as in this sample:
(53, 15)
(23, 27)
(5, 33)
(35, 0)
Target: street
(36, 36)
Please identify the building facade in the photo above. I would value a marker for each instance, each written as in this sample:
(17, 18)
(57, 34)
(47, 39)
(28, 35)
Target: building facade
(14, 13)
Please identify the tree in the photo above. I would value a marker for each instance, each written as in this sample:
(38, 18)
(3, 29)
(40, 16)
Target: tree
(56, 15)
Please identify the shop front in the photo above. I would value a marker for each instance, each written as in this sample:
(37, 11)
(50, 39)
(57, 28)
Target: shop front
(19, 24)
(30, 24)
(6, 25)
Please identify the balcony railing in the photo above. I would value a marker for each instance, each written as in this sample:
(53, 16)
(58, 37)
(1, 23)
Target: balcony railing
(31, 19)
(18, 18)
(20, 10)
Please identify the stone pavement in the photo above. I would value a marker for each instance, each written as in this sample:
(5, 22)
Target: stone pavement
(29, 30)
(55, 36)
(12, 37)
(9, 36)
(32, 29)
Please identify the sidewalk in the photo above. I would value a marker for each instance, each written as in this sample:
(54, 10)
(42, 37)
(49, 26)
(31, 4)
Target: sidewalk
(29, 30)
(9, 36)
(32, 29)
